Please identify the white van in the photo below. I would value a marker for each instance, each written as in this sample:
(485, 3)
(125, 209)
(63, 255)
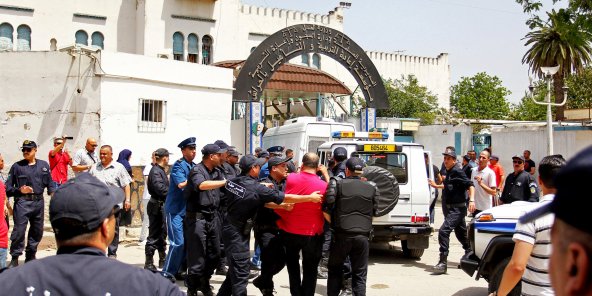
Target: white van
(409, 220)
(304, 134)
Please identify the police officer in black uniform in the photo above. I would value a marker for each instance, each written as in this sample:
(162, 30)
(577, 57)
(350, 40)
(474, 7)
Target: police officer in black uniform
(351, 204)
(266, 231)
(245, 197)
(202, 220)
(229, 173)
(158, 187)
(520, 184)
(82, 213)
(339, 155)
(27, 179)
(454, 207)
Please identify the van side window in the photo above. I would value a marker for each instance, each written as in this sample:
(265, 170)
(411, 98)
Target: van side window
(396, 163)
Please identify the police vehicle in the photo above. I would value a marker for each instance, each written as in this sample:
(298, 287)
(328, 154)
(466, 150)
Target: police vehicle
(409, 220)
(490, 235)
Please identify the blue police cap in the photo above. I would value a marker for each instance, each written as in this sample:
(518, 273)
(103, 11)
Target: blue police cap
(277, 160)
(212, 149)
(85, 199)
(29, 144)
(248, 161)
(355, 164)
(340, 154)
(221, 144)
(263, 154)
(276, 150)
(187, 142)
(570, 203)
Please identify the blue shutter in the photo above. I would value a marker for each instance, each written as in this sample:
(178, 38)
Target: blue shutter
(316, 60)
(23, 38)
(305, 59)
(97, 40)
(192, 44)
(178, 43)
(6, 31)
(81, 37)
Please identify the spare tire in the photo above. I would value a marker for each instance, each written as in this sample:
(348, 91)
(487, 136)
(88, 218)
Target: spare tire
(387, 185)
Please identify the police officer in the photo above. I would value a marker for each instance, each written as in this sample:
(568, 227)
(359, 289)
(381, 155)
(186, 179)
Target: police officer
(264, 168)
(266, 231)
(245, 197)
(520, 185)
(202, 221)
(27, 179)
(232, 159)
(337, 170)
(82, 214)
(454, 207)
(351, 204)
(339, 155)
(174, 208)
(229, 173)
(158, 187)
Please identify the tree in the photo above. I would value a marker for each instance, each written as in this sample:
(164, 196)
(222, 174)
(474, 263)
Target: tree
(527, 109)
(563, 40)
(408, 99)
(579, 95)
(480, 97)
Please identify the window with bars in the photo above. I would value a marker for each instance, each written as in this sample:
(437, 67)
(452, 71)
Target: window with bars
(152, 116)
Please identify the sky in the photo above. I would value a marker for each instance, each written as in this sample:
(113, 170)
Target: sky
(479, 35)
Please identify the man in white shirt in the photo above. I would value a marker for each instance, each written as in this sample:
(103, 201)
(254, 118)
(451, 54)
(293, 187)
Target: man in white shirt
(530, 260)
(485, 185)
(145, 199)
(85, 158)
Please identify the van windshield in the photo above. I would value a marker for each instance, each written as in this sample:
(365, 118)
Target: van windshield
(396, 163)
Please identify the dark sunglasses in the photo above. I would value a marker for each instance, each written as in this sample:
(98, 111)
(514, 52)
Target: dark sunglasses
(27, 149)
(95, 145)
(517, 161)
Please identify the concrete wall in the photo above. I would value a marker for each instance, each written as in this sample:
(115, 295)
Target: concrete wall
(435, 138)
(237, 134)
(510, 141)
(198, 103)
(39, 96)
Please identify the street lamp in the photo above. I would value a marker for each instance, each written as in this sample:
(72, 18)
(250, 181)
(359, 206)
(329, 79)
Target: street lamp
(548, 72)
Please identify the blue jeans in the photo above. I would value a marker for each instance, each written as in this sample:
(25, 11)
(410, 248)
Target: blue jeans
(3, 254)
(176, 254)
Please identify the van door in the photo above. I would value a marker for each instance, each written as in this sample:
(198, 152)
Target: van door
(431, 176)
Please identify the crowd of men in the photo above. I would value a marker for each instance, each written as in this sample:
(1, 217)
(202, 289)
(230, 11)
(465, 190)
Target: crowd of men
(208, 209)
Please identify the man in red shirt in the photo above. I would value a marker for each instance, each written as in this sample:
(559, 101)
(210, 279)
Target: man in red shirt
(302, 228)
(498, 170)
(6, 209)
(59, 159)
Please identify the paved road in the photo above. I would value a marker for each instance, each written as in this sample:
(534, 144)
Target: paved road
(389, 272)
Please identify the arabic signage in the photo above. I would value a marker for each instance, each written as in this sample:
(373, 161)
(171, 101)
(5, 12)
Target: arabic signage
(367, 119)
(296, 40)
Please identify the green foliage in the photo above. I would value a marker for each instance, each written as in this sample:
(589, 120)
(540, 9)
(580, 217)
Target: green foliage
(480, 97)
(527, 110)
(579, 95)
(408, 99)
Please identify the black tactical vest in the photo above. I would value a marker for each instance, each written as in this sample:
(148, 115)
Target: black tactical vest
(353, 206)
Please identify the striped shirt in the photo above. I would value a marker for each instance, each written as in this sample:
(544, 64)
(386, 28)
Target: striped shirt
(535, 280)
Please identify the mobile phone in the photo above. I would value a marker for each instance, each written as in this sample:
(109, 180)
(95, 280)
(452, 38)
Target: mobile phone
(69, 138)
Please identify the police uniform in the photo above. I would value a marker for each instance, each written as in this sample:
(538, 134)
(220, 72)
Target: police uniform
(174, 208)
(245, 197)
(158, 187)
(267, 234)
(520, 187)
(229, 173)
(28, 208)
(351, 203)
(83, 269)
(454, 207)
(202, 225)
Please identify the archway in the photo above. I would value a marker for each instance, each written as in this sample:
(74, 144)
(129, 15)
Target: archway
(293, 41)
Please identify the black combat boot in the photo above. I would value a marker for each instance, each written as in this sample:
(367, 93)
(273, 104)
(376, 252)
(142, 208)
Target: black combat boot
(161, 259)
(13, 262)
(346, 289)
(29, 257)
(149, 263)
(205, 288)
(266, 291)
(442, 265)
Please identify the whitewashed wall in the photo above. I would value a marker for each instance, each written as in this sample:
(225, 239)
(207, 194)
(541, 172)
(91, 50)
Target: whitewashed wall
(38, 91)
(435, 138)
(198, 103)
(510, 141)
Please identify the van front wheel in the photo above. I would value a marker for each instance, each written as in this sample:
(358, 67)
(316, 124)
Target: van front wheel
(411, 253)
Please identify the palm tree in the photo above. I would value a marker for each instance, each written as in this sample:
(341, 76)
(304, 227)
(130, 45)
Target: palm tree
(563, 40)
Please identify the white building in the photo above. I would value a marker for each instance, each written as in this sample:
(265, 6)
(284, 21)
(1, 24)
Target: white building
(201, 31)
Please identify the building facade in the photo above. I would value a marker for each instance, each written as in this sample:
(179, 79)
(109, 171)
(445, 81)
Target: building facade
(194, 31)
